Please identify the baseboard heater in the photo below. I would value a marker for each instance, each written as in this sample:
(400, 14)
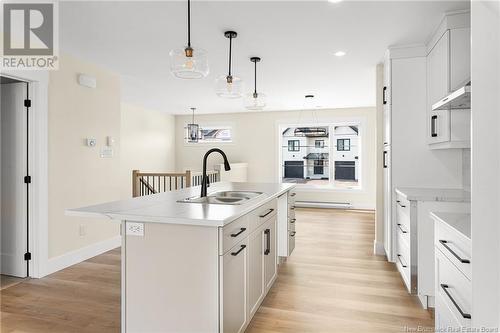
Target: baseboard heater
(317, 204)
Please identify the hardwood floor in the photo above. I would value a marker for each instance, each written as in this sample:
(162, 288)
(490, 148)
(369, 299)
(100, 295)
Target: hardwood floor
(332, 283)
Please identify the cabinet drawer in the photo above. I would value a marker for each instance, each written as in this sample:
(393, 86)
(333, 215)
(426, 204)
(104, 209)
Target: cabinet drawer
(291, 212)
(263, 213)
(454, 289)
(291, 198)
(444, 317)
(403, 213)
(403, 263)
(403, 234)
(291, 224)
(233, 233)
(455, 246)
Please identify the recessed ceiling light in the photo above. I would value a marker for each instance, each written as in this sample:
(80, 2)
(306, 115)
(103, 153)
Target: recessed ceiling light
(339, 53)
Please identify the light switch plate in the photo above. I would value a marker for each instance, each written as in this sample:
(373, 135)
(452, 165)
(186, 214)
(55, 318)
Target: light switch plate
(135, 229)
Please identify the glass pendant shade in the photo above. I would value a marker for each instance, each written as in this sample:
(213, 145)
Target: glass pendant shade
(189, 63)
(255, 102)
(229, 88)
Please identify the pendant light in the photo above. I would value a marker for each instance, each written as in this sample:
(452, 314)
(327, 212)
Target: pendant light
(255, 101)
(229, 86)
(189, 63)
(193, 130)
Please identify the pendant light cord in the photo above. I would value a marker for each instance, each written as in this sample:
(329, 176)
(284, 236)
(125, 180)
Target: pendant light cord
(193, 115)
(230, 50)
(255, 80)
(189, 23)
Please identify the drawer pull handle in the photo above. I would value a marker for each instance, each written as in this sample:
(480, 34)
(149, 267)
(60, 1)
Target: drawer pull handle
(293, 194)
(293, 234)
(402, 230)
(401, 205)
(401, 261)
(292, 207)
(293, 220)
(269, 212)
(445, 244)
(267, 233)
(445, 289)
(238, 252)
(242, 230)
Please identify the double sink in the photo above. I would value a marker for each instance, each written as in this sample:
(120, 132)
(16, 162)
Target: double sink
(223, 198)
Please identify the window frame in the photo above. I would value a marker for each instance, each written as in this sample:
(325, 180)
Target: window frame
(295, 148)
(321, 143)
(343, 144)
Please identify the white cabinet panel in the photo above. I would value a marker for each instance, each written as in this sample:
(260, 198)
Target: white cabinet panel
(234, 289)
(270, 255)
(438, 67)
(439, 126)
(256, 287)
(460, 49)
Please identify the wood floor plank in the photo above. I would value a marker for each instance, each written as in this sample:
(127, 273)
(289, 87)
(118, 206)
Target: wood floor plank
(332, 283)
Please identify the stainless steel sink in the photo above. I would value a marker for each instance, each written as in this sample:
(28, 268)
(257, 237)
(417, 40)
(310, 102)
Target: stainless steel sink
(223, 198)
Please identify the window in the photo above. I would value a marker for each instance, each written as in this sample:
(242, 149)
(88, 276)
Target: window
(343, 144)
(214, 134)
(293, 145)
(322, 155)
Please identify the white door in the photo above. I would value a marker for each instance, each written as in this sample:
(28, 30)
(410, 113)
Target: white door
(13, 195)
(270, 255)
(234, 289)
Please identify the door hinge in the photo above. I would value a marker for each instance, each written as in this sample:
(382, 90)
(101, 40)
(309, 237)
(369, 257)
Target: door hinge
(27, 179)
(27, 103)
(27, 256)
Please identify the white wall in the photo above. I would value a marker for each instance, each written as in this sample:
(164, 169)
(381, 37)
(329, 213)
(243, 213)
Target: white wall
(485, 181)
(147, 143)
(78, 176)
(256, 142)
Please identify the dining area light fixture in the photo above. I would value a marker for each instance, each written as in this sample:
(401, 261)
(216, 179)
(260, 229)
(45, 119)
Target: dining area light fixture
(189, 62)
(229, 86)
(255, 101)
(193, 130)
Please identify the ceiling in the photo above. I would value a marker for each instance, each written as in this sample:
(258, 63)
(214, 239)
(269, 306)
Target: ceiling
(296, 41)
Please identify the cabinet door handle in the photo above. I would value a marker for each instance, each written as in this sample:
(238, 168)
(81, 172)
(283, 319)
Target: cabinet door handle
(292, 234)
(402, 230)
(445, 289)
(238, 252)
(401, 261)
(445, 244)
(400, 204)
(267, 233)
(292, 207)
(293, 220)
(383, 95)
(434, 132)
(385, 159)
(242, 230)
(293, 194)
(269, 212)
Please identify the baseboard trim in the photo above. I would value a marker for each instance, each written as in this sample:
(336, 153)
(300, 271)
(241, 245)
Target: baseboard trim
(82, 254)
(378, 248)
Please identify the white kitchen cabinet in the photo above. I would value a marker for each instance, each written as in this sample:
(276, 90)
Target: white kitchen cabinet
(270, 255)
(256, 286)
(286, 224)
(234, 265)
(448, 69)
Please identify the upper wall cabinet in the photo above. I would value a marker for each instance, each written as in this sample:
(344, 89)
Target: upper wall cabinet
(448, 69)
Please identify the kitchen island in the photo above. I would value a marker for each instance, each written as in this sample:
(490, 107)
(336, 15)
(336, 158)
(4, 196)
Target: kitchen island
(199, 267)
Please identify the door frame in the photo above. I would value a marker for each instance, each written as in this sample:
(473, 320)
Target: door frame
(38, 168)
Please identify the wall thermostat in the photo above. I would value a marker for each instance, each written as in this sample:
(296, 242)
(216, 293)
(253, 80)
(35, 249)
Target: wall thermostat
(91, 142)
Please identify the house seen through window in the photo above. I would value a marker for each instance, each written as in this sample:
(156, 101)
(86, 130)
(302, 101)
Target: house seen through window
(323, 155)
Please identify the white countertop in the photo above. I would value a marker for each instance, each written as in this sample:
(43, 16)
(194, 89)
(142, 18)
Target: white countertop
(458, 221)
(434, 194)
(164, 208)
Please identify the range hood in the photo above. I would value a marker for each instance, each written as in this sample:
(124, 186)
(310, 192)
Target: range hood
(459, 99)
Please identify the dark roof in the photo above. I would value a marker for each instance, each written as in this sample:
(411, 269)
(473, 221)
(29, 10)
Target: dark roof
(316, 156)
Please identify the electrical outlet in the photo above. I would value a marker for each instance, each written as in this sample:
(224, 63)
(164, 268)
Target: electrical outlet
(135, 229)
(82, 230)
